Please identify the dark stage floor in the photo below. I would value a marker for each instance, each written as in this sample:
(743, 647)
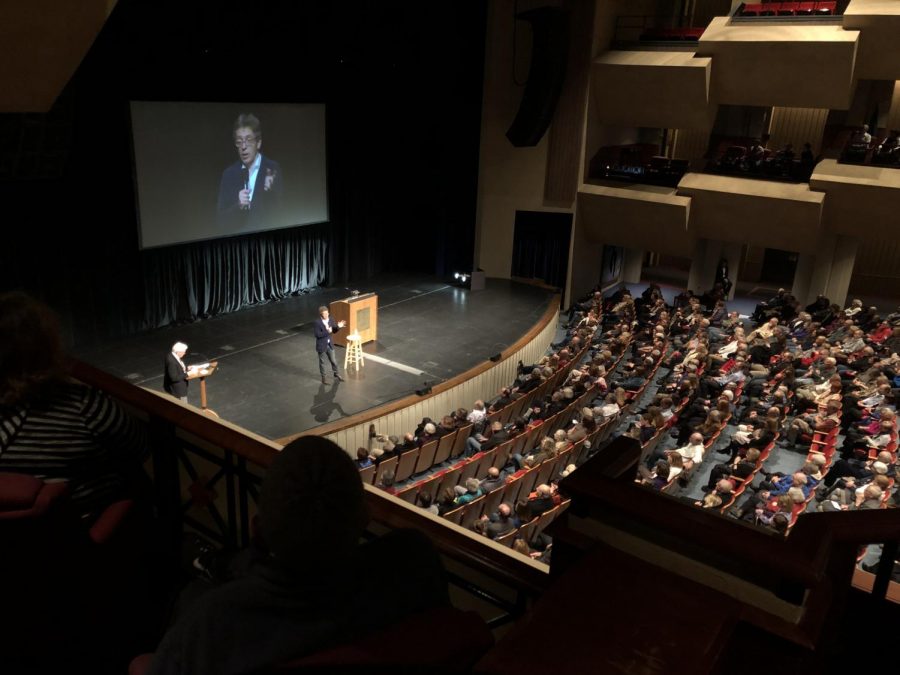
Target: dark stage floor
(268, 376)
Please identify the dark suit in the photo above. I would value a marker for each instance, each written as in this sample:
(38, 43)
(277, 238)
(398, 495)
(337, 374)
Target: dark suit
(175, 377)
(324, 345)
(264, 206)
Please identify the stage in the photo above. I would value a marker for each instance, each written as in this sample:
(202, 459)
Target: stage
(268, 376)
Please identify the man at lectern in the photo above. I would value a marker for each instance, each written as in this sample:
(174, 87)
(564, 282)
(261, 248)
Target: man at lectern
(324, 327)
(175, 377)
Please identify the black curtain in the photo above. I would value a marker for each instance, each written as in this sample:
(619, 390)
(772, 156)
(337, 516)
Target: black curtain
(224, 275)
(541, 246)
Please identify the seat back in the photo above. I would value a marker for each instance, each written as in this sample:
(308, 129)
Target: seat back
(448, 480)
(485, 462)
(459, 443)
(367, 475)
(406, 465)
(426, 456)
(455, 516)
(545, 470)
(472, 512)
(501, 454)
(445, 447)
(493, 499)
(409, 494)
(430, 486)
(528, 481)
(471, 468)
(389, 464)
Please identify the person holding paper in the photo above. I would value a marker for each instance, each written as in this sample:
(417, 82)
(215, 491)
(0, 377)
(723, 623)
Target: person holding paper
(175, 377)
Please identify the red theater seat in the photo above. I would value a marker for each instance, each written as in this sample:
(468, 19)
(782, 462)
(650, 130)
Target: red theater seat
(826, 8)
(752, 9)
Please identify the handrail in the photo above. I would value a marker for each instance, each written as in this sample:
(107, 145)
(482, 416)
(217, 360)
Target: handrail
(801, 560)
(801, 557)
(451, 540)
(550, 314)
(244, 443)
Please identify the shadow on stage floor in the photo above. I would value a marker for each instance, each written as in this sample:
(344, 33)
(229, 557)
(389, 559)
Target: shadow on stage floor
(268, 376)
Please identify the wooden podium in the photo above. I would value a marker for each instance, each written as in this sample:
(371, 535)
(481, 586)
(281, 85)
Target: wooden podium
(361, 315)
(201, 374)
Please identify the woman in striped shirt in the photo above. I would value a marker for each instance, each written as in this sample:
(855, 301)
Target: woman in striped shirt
(54, 428)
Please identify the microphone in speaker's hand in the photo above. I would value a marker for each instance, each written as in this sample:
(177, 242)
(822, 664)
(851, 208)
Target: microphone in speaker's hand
(244, 195)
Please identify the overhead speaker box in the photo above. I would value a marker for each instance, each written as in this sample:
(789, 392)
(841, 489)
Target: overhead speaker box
(549, 57)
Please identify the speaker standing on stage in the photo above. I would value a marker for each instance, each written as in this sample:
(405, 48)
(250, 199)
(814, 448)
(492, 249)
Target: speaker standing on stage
(324, 327)
(175, 380)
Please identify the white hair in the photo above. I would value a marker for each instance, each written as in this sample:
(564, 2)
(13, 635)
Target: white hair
(179, 347)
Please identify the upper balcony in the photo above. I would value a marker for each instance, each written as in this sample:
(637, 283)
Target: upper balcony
(662, 89)
(780, 63)
(878, 22)
(758, 212)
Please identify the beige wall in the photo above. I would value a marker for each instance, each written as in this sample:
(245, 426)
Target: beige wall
(652, 89)
(510, 178)
(878, 22)
(797, 126)
(691, 144)
(777, 64)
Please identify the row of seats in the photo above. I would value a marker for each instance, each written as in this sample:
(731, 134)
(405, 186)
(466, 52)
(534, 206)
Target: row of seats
(452, 445)
(789, 8)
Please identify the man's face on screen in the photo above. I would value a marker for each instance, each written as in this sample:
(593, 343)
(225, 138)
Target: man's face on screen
(247, 144)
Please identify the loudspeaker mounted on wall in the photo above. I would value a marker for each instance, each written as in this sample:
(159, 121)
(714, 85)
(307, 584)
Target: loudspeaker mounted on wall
(549, 56)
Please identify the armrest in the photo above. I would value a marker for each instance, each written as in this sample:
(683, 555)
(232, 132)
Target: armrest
(110, 520)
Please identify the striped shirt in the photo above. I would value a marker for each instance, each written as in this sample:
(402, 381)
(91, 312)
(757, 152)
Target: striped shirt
(77, 435)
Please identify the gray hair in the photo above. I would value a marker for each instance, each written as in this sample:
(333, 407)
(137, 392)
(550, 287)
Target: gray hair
(179, 347)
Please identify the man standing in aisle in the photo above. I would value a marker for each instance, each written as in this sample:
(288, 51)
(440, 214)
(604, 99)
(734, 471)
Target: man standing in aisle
(324, 327)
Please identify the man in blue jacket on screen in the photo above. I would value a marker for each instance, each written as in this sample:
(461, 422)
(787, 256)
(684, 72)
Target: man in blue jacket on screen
(250, 190)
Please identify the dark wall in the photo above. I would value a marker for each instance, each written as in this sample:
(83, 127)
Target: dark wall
(402, 86)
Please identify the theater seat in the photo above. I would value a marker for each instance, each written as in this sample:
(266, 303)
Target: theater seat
(788, 8)
(24, 497)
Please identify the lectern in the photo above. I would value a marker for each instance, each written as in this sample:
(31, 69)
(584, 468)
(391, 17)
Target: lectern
(201, 373)
(361, 314)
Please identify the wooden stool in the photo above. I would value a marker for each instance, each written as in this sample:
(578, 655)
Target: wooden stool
(354, 353)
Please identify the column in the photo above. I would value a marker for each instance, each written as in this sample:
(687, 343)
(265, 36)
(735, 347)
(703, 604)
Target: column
(634, 263)
(806, 263)
(696, 281)
(732, 253)
(842, 269)
(818, 282)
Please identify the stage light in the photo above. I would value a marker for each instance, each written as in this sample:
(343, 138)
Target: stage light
(456, 275)
(464, 278)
